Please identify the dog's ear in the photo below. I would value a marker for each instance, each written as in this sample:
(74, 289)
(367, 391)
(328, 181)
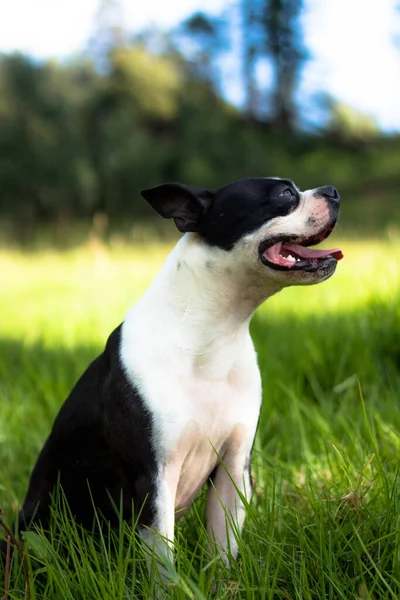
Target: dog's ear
(183, 203)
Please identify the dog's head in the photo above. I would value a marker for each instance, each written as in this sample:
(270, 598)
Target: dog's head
(268, 223)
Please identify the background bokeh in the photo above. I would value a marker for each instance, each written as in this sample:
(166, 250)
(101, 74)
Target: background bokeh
(99, 99)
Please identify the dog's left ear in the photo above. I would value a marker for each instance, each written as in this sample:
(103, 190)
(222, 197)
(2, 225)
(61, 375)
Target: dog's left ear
(183, 203)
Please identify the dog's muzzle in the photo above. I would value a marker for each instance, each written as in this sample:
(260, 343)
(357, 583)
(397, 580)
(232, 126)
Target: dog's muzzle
(294, 253)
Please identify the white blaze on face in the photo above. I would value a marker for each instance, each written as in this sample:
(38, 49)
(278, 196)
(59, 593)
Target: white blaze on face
(311, 215)
(308, 219)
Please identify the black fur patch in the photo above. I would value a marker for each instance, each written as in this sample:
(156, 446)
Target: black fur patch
(243, 206)
(100, 438)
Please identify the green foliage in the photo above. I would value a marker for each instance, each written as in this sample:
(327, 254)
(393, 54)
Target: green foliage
(323, 521)
(348, 123)
(150, 82)
(81, 138)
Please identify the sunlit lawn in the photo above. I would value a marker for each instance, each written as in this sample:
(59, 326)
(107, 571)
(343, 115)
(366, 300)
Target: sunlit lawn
(325, 517)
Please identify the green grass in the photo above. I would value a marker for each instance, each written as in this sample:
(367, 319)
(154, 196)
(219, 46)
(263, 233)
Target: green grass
(324, 521)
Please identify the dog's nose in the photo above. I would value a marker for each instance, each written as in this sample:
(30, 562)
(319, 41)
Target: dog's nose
(329, 192)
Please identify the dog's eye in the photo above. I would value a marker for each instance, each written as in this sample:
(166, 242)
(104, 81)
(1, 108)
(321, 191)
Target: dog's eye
(286, 193)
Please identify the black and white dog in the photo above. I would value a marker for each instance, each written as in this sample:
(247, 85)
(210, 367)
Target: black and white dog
(175, 397)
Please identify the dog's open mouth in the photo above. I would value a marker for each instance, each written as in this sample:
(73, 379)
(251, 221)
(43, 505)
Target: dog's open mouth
(296, 255)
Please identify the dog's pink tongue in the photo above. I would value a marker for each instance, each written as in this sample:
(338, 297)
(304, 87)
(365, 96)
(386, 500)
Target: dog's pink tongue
(308, 253)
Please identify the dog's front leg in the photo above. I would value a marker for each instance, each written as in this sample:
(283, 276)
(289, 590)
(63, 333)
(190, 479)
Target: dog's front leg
(159, 536)
(225, 507)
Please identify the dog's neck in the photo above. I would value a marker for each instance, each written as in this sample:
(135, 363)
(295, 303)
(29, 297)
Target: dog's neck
(206, 298)
(213, 284)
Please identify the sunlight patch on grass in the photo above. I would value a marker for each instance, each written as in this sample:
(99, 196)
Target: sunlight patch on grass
(85, 293)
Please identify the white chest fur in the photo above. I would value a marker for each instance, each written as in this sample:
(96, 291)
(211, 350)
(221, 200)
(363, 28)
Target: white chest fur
(194, 364)
(204, 421)
(196, 421)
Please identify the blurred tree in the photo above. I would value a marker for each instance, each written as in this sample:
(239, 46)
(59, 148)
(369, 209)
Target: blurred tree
(201, 39)
(82, 137)
(349, 124)
(43, 170)
(108, 32)
(271, 29)
(149, 81)
(252, 49)
(284, 46)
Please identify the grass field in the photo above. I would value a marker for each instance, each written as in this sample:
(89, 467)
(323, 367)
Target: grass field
(324, 521)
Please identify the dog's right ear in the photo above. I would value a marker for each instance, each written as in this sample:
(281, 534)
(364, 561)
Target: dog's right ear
(183, 203)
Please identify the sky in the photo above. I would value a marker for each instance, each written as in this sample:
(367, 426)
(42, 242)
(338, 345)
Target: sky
(353, 54)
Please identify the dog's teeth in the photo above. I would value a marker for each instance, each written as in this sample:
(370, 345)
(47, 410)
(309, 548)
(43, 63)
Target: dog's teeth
(290, 257)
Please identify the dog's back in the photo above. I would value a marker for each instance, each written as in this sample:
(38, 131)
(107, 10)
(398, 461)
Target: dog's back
(98, 448)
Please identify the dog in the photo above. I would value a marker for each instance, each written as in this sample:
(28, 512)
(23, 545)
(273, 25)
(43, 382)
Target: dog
(175, 397)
